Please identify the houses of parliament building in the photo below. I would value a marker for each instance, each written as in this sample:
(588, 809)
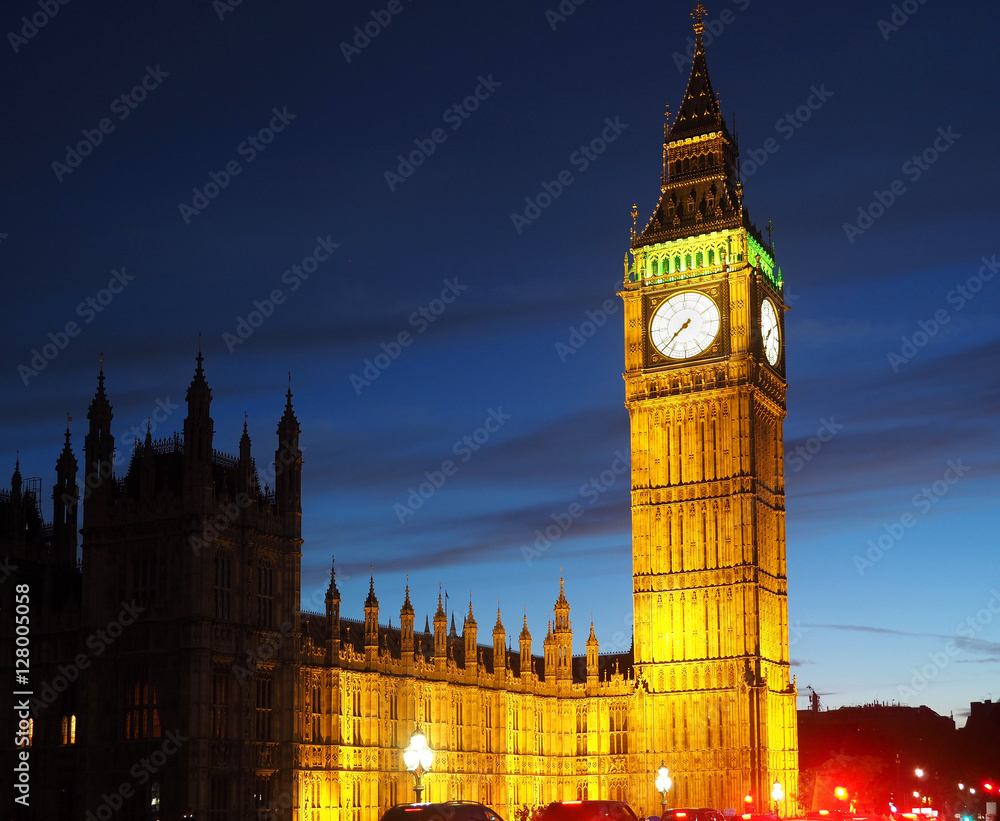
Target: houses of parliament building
(174, 674)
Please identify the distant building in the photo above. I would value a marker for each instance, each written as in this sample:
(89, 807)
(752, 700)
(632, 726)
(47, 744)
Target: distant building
(872, 751)
(979, 740)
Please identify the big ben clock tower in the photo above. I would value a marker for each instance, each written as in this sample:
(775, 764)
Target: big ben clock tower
(705, 389)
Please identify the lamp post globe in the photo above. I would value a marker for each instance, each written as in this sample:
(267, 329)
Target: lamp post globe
(777, 793)
(663, 785)
(417, 758)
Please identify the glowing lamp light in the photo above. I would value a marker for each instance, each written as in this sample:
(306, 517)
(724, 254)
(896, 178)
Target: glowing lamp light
(418, 757)
(972, 790)
(919, 773)
(961, 786)
(840, 792)
(988, 786)
(663, 784)
(748, 798)
(916, 794)
(663, 780)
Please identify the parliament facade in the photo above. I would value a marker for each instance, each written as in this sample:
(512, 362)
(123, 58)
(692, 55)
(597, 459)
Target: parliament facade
(174, 673)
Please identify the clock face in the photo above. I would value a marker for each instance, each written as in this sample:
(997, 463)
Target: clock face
(685, 325)
(770, 332)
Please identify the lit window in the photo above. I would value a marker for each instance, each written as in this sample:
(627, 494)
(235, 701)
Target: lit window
(68, 729)
(142, 716)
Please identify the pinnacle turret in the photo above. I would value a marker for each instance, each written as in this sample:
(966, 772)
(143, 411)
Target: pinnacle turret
(100, 407)
(289, 422)
(98, 448)
(331, 590)
(67, 460)
(288, 464)
(199, 395)
(198, 434)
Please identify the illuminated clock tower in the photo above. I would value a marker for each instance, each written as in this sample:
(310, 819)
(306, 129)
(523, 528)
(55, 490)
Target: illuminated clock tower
(705, 389)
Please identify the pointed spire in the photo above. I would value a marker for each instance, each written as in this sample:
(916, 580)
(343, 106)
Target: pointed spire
(371, 601)
(427, 625)
(99, 406)
(440, 610)
(700, 112)
(288, 420)
(591, 639)
(561, 601)
(525, 634)
(66, 460)
(198, 392)
(470, 620)
(331, 590)
(407, 608)
(452, 633)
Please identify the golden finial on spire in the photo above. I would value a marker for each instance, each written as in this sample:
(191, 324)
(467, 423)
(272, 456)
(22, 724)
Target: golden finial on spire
(698, 15)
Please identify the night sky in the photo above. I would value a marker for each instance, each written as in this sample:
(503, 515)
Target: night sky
(370, 197)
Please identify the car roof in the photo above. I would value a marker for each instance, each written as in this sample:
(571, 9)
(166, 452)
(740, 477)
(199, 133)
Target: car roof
(694, 813)
(444, 811)
(579, 810)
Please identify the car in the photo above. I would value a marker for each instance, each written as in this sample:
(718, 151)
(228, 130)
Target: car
(443, 811)
(587, 811)
(692, 814)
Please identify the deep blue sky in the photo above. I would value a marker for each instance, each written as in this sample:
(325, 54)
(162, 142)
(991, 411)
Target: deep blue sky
(857, 635)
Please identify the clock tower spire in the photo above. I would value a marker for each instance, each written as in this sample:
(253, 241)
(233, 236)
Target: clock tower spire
(705, 390)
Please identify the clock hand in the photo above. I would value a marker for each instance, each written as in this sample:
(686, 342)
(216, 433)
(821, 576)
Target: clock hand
(681, 328)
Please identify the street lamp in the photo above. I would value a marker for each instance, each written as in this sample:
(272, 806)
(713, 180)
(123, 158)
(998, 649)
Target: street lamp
(777, 793)
(418, 758)
(919, 773)
(663, 784)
